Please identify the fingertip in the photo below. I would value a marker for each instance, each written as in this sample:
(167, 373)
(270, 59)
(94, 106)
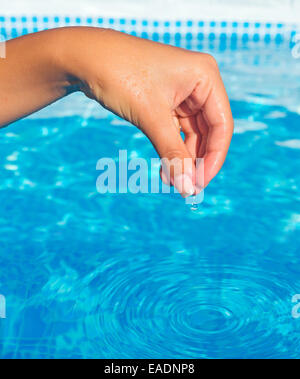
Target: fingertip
(213, 163)
(184, 185)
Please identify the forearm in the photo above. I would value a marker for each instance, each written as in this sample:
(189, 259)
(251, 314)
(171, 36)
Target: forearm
(33, 75)
(43, 67)
(156, 87)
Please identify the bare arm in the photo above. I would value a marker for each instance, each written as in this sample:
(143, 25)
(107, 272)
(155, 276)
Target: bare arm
(154, 86)
(32, 75)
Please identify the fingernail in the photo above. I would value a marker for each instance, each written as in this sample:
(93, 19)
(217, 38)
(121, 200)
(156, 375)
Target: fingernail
(184, 185)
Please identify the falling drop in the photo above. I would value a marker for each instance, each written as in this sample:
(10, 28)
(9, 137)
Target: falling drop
(194, 206)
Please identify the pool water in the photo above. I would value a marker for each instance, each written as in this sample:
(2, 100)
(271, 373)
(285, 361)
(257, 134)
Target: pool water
(141, 276)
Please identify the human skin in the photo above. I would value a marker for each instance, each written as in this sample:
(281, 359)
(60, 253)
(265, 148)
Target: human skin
(156, 87)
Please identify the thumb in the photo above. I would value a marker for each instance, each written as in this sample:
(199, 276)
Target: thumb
(177, 163)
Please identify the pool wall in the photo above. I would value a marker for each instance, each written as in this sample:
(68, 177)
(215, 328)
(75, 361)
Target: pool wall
(271, 20)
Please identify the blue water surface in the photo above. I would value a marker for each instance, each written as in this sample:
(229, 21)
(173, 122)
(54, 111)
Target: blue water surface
(141, 276)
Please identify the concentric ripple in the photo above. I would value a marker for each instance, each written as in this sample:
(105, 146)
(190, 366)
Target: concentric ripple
(178, 310)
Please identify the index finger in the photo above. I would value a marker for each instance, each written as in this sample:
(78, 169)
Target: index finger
(217, 114)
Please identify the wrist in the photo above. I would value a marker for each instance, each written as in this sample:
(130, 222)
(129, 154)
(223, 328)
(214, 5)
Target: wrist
(80, 53)
(61, 55)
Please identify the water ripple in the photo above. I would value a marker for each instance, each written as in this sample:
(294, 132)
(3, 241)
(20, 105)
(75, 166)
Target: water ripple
(137, 309)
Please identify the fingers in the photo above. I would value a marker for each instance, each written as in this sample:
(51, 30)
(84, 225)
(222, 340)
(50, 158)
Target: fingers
(177, 163)
(218, 116)
(215, 122)
(193, 142)
(192, 134)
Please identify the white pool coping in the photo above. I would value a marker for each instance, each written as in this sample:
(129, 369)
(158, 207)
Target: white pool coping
(285, 11)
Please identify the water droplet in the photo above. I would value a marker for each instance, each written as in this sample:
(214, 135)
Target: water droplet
(194, 206)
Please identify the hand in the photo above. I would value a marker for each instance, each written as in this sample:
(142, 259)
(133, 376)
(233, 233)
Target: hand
(156, 87)
(159, 88)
